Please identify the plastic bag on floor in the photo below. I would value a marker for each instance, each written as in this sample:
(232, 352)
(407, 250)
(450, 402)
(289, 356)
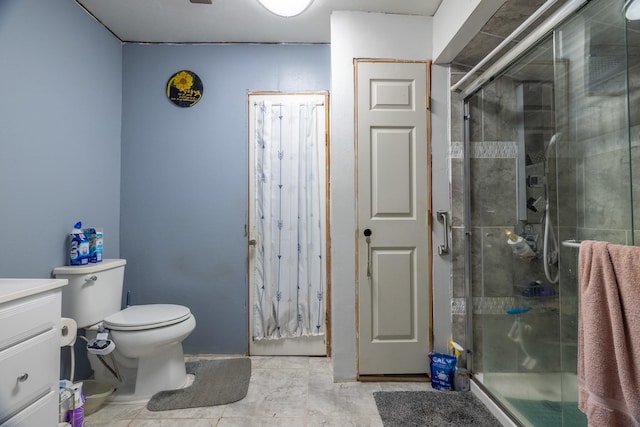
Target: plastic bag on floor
(443, 368)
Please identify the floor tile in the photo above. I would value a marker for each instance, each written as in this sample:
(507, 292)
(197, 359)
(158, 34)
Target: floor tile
(174, 423)
(344, 422)
(320, 364)
(262, 422)
(279, 362)
(117, 412)
(106, 423)
(273, 393)
(406, 386)
(206, 412)
(283, 392)
(327, 398)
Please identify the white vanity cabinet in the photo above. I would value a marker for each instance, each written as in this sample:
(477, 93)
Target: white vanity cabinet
(30, 351)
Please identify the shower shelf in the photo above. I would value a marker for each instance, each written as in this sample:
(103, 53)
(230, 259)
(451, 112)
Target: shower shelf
(535, 295)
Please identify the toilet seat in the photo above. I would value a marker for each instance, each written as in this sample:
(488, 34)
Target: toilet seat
(143, 317)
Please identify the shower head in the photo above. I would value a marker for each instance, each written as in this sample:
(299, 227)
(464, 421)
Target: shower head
(632, 10)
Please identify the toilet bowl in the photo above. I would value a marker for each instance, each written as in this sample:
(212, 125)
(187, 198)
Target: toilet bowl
(148, 353)
(148, 341)
(144, 330)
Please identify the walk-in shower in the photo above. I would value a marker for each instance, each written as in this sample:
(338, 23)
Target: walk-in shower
(551, 141)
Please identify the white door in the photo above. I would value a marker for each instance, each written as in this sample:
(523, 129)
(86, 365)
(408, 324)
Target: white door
(287, 224)
(394, 297)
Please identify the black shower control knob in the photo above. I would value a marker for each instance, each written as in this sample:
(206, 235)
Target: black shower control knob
(367, 232)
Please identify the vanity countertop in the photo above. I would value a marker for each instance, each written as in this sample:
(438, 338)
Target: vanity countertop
(12, 289)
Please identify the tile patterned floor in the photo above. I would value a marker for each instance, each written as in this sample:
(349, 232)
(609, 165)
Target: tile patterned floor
(283, 392)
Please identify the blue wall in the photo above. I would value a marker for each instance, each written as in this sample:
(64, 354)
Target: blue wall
(173, 199)
(60, 123)
(184, 177)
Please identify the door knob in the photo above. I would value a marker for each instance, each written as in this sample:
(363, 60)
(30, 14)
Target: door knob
(367, 232)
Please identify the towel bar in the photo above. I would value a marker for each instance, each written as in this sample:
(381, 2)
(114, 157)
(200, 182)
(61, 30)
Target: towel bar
(572, 243)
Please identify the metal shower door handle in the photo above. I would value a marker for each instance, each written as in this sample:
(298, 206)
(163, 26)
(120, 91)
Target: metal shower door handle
(444, 216)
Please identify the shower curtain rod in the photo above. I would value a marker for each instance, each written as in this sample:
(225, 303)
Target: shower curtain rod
(548, 25)
(542, 9)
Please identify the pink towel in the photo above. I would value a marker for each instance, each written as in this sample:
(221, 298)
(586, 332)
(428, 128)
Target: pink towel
(609, 334)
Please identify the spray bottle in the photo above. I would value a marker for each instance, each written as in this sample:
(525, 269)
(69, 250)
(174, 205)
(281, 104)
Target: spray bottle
(462, 376)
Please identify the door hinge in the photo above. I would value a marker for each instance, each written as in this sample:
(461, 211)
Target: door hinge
(427, 103)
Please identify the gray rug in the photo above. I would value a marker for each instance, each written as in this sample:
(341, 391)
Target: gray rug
(217, 382)
(432, 409)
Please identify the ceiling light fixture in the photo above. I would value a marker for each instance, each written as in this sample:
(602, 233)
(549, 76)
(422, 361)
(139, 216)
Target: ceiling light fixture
(286, 8)
(632, 10)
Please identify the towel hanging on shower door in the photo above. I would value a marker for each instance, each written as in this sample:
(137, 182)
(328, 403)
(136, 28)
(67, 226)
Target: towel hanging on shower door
(609, 334)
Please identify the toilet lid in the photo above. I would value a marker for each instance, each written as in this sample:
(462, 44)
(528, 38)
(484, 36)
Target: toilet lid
(149, 316)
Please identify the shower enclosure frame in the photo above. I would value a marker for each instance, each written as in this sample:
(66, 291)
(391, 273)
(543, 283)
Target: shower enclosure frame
(538, 34)
(500, 64)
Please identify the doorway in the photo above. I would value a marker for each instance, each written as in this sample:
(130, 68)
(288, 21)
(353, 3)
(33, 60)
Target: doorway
(393, 191)
(288, 228)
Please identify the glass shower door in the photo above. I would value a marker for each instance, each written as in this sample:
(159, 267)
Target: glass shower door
(516, 315)
(593, 162)
(553, 141)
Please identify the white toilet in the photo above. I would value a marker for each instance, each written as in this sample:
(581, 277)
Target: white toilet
(148, 338)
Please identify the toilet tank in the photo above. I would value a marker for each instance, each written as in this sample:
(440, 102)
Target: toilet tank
(94, 290)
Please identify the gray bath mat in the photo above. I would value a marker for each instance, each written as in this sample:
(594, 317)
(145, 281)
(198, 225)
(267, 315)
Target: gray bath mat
(432, 409)
(217, 382)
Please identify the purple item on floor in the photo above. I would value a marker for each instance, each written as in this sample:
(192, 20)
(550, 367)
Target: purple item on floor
(75, 417)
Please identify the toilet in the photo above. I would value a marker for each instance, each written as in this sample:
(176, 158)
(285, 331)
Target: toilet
(148, 338)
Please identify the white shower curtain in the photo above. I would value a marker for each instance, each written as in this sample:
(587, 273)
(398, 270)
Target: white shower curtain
(289, 273)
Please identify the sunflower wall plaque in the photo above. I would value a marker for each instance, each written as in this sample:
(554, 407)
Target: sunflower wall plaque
(184, 88)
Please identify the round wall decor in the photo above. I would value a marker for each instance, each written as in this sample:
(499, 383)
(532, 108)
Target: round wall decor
(184, 88)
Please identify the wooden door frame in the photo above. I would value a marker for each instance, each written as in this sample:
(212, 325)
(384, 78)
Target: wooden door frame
(327, 104)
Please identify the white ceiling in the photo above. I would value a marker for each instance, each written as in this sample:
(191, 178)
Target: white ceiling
(179, 21)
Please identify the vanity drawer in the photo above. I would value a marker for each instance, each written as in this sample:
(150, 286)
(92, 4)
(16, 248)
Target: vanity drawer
(29, 316)
(41, 413)
(30, 369)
